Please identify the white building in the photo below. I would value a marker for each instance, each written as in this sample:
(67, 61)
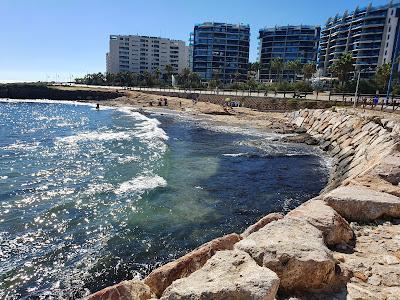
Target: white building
(134, 53)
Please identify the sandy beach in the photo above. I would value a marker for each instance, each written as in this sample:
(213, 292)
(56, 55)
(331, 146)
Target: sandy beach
(237, 116)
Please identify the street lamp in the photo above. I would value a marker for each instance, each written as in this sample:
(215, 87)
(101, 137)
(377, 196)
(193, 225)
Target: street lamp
(358, 82)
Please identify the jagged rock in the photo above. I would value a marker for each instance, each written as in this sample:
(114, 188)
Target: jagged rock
(162, 277)
(334, 228)
(261, 223)
(295, 251)
(125, 290)
(358, 203)
(227, 275)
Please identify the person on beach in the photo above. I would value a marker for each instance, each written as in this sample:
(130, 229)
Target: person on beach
(165, 102)
(97, 106)
(159, 102)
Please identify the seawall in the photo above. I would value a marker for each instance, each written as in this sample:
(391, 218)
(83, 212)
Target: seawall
(257, 103)
(310, 250)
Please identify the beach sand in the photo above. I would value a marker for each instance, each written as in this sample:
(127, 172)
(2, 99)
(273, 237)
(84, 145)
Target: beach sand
(238, 116)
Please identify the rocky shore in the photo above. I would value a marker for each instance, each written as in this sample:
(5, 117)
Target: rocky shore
(343, 244)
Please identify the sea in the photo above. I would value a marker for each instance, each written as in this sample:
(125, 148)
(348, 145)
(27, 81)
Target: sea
(90, 197)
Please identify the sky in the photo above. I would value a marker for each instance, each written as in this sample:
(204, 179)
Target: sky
(62, 39)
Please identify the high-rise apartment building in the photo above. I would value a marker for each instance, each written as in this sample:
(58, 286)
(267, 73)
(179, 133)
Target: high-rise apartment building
(220, 51)
(369, 33)
(134, 53)
(287, 43)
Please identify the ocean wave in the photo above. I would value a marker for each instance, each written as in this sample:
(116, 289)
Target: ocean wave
(128, 159)
(235, 154)
(95, 136)
(141, 184)
(21, 146)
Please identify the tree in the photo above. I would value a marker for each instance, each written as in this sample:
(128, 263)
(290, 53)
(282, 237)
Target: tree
(343, 67)
(277, 65)
(253, 69)
(382, 75)
(169, 71)
(295, 66)
(309, 70)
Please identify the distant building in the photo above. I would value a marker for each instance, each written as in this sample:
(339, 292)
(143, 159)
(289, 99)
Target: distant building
(368, 33)
(288, 43)
(220, 51)
(137, 54)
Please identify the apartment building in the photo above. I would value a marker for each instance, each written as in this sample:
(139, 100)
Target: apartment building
(287, 43)
(220, 51)
(137, 54)
(369, 33)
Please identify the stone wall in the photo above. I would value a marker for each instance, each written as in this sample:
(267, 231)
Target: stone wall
(356, 142)
(296, 255)
(258, 103)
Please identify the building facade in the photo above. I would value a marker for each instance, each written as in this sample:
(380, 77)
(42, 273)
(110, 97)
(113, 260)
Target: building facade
(137, 54)
(289, 43)
(220, 51)
(369, 34)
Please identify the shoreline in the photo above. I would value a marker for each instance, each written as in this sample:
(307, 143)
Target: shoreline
(355, 213)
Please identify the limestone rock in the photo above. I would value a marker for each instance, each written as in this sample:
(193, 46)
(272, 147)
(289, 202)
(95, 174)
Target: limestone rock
(227, 275)
(359, 203)
(261, 223)
(295, 251)
(334, 228)
(162, 277)
(125, 290)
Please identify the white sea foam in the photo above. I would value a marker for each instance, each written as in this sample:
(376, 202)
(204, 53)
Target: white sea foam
(141, 184)
(3, 177)
(42, 118)
(21, 146)
(235, 154)
(128, 159)
(94, 136)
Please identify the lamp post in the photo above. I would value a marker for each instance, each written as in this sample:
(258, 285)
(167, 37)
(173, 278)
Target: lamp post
(358, 83)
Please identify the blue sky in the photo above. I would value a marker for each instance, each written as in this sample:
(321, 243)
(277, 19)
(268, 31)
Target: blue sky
(43, 38)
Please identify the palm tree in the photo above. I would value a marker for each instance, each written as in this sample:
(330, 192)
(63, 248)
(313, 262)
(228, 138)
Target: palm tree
(309, 70)
(277, 65)
(382, 75)
(295, 66)
(169, 71)
(343, 67)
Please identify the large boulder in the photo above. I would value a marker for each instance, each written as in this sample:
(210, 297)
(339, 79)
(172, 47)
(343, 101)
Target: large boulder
(162, 277)
(334, 228)
(230, 275)
(359, 203)
(261, 223)
(125, 290)
(295, 251)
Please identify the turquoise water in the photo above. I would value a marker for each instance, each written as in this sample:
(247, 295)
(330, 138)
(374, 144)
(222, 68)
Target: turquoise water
(89, 198)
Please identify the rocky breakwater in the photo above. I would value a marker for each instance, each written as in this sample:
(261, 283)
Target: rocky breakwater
(345, 243)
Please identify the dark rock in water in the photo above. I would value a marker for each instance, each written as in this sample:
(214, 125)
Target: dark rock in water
(301, 138)
(300, 130)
